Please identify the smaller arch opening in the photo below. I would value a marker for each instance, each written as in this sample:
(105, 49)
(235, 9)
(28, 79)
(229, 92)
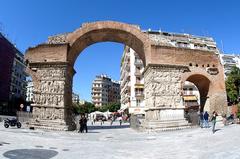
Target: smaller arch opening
(196, 65)
(208, 65)
(203, 66)
(213, 65)
(190, 64)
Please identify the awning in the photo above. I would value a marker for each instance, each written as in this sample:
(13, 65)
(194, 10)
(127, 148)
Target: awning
(139, 85)
(187, 98)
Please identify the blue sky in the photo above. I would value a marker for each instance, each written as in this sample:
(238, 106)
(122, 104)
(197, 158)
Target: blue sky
(28, 23)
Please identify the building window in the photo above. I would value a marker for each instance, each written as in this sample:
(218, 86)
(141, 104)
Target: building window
(190, 91)
(138, 102)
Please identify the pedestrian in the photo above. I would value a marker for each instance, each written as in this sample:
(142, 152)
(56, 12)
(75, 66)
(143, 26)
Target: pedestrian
(81, 123)
(120, 120)
(201, 119)
(85, 124)
(111, 121)
(214, 117)
(205, 117)
(224, 119)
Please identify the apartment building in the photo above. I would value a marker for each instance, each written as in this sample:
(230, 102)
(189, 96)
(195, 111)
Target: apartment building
(18, 87)
(75, 98)
(191, 95)
(183, 40)
(13, 76)
(7, 54)
(132, 82)
(29, 94)
(228, 61)
(105, 91)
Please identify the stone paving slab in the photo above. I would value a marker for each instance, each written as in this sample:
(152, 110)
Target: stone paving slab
(121, 143)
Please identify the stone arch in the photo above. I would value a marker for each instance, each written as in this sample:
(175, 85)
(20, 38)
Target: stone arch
(52, 64)
(205, 84)
(103, 31)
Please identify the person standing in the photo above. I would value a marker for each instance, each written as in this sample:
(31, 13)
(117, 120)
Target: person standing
(85, 124)
(205, 117)
(214, 117)
(81, 123)
(120, 120)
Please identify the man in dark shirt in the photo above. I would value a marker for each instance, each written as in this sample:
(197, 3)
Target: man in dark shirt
(206, 116)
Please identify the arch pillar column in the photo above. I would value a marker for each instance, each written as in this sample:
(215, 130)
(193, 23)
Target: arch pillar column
(163, 98)
(52, 108)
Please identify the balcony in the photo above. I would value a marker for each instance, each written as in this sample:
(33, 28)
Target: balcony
(96, 90)
(139, 82)
(138, 73)
(139, 94)
(97, 87)
(138, 62)
(96, 96)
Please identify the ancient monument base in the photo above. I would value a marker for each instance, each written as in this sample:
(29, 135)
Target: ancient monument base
(163, 119)
(48, 125)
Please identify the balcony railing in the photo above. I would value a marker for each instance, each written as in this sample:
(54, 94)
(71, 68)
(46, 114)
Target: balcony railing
(139, 94)
(138, 73)
(138, 62)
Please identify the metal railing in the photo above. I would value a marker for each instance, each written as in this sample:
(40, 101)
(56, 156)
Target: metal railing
(24, 116)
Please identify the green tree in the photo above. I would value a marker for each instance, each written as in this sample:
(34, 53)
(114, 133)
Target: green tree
(238, 113)
(112, 107)
(233, 85)
(87, 107)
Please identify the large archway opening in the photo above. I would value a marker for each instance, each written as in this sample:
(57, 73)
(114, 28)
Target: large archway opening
(104, 32)
(203, 84)
(195, 97)
(105, 72)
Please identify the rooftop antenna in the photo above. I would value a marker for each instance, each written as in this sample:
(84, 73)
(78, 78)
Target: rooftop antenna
(222, 46)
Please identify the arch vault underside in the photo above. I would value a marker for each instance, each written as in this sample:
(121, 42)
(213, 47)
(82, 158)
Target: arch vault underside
(166, 68)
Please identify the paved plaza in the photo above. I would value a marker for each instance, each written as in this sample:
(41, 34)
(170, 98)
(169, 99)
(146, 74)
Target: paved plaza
(117, 142)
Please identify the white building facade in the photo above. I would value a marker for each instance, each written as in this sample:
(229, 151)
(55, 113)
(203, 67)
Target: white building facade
(105, 91)
(75, 98)
(132, 82)
(229, 61)
(29, 94)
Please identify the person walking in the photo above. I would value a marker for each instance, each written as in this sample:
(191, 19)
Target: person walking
(120, 120)
(214, 117)
(85, 124)
(81, 123)
(205, 117)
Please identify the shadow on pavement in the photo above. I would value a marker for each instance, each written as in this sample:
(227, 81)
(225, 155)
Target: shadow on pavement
(30, 154)
(217, 130)
(92, 127)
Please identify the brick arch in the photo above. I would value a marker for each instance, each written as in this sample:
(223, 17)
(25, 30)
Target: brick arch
(203, 81)
(103, 31)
